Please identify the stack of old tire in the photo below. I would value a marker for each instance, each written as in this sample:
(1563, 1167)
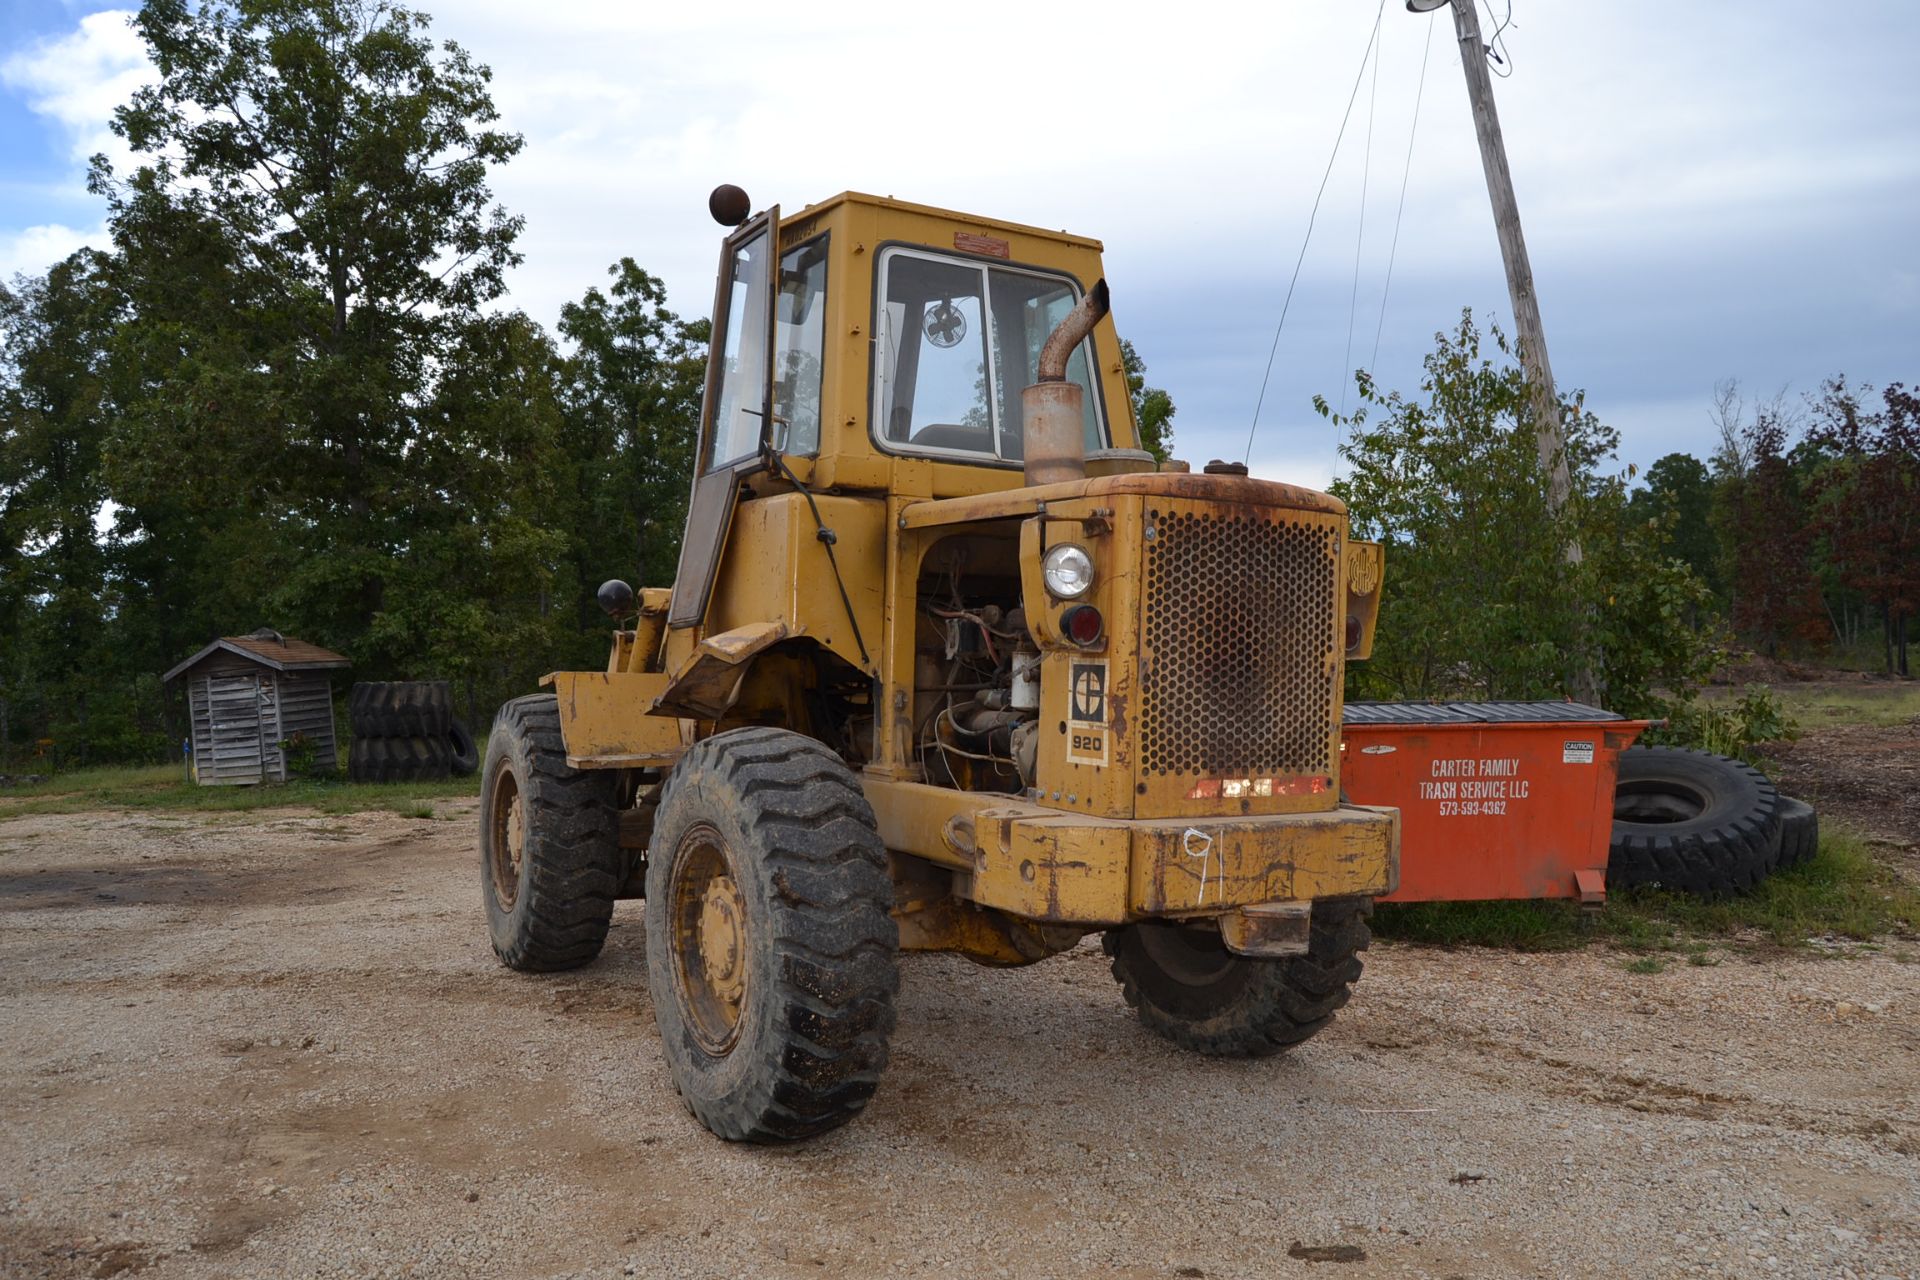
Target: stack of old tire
(1703, 824)
(405, 731)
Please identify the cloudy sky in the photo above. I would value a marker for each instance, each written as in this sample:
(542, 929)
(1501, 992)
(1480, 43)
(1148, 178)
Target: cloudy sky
(1709, 191)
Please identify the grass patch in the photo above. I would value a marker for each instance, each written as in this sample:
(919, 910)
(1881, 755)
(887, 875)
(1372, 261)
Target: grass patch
(166, 787)
(1883, 704)
(1841, 892)
(1646, 964)
(1520, 926)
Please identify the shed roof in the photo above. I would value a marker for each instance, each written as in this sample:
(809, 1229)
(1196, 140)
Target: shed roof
(269, 649)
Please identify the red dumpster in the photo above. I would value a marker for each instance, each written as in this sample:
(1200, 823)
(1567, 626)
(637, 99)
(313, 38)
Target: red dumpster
(1496, 799)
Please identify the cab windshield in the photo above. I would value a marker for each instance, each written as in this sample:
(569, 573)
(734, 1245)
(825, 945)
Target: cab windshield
(957, 341)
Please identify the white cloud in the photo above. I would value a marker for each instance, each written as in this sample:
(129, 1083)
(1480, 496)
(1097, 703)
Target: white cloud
(1674, 166)
(77, 80)
(32, 251)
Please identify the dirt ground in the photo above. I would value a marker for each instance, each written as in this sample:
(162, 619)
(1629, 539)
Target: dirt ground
(277, 1045)
(1867, 776)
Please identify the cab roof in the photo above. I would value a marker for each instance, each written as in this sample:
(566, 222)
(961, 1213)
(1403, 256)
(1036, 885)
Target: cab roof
(907, 206)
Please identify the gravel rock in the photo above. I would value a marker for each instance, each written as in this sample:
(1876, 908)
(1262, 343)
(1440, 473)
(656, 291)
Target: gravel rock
(282, 1047)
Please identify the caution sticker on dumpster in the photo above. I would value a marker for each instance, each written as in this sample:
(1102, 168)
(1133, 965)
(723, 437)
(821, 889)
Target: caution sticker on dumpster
(1576, 752)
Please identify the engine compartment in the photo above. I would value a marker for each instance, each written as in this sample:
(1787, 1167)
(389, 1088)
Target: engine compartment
(976, 667)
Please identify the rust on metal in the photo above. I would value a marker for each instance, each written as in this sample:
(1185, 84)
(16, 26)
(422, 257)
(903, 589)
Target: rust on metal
(974, 242)
(704, 686)
(1071, 332)
(1003, 504)
(1268, 930)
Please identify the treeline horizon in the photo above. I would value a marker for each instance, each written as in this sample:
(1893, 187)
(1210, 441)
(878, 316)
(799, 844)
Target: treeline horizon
(292, 393)
(1804, 524)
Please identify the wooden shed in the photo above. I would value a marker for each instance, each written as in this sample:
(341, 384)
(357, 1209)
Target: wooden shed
(247, 695)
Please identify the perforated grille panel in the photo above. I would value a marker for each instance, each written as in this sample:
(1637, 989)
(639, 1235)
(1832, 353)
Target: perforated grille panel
(1235, 674)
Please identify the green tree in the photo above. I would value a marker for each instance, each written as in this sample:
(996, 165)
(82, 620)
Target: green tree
(307, 241)
(1153, 409)
(630, 398)
(1761, 516)
(1677, 494)
(1865, 502)
(1480, 601)
(60, 667)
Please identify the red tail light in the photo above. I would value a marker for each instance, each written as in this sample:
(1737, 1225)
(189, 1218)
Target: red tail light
(1083, 625)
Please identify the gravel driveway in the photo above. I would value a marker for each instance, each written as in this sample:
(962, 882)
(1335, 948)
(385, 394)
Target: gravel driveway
(275, 1044)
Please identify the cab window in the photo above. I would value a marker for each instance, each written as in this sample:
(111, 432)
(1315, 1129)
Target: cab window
(743, 366)
(799, 333)
(799, 339)
(956, 341)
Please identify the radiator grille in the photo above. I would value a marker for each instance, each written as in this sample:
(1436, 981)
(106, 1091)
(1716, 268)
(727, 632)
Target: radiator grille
(1236, 678)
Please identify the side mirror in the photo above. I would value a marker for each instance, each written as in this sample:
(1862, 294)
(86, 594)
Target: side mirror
(617, 598)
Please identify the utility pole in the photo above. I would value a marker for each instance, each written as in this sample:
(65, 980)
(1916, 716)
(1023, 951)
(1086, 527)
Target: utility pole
(1547, 427)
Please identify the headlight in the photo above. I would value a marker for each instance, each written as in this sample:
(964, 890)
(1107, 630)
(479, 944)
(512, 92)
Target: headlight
(1068, 571)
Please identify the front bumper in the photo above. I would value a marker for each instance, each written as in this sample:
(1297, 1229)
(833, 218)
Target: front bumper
(1068, 868)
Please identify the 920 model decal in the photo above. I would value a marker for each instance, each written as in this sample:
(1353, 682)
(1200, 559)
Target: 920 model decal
(1087, 713)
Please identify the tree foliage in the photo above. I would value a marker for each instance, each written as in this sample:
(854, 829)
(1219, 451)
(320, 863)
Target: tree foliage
(631, 393)
(290, 395)
(1482, 599)
(1676, 497)
(1153, 408)
(1865, 500)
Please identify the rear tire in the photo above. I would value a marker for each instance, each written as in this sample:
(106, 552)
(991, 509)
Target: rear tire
(549, 843)
(1186, 986)
(1693, 822)
(771, 950)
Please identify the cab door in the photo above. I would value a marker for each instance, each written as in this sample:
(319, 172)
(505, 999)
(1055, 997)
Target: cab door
(736, 413)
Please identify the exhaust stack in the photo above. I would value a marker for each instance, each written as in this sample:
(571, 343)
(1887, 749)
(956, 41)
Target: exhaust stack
(1053, 409)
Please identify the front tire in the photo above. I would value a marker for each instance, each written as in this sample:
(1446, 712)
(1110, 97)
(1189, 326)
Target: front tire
(549, 843)
(771, 950)
(1186, 986)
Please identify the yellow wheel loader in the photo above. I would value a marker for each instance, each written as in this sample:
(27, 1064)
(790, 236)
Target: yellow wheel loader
(949, 664)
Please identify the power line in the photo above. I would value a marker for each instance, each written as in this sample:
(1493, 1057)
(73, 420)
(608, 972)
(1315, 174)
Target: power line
(1497, 55)
(1360, 236)
(1392, 253)
(1288, 303)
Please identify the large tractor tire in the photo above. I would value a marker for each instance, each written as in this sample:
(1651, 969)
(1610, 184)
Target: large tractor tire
(771, 950)
(397, 760)
(1799, 833)
(400, 708)
(1186, 986)
(1693, 822)
(549, 843)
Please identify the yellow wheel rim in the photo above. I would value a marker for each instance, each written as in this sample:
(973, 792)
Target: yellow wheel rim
(711, 940)
(508, 818)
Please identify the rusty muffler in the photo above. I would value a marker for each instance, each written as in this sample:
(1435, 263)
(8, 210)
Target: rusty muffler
(1053, 409)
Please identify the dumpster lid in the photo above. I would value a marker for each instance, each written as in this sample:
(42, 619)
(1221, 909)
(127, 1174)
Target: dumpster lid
(1472, 713)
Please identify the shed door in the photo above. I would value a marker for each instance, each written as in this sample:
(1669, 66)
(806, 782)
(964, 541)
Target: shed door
(234, 731)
